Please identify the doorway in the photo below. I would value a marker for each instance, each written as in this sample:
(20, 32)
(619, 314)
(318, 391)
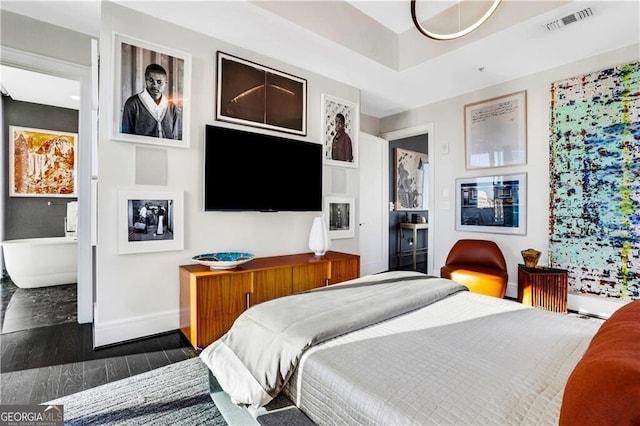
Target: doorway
(402, 239)
(83, 76)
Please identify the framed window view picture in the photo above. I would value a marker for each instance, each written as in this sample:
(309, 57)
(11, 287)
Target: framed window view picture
(340, 130)
(150, 221)
(152, 93)
(340, 214)
(494, 204)
(496, 132)
(259, 96)
(42, 163)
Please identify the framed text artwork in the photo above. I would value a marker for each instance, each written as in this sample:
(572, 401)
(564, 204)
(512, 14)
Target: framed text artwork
(496, 132)
(42, 163)
(255, 95)
(150, 221)
(494, 204)
(340, 129)
(340, 215)
(152, 93)
(411, 172)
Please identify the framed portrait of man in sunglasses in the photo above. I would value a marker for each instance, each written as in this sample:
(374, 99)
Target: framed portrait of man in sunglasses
(152, 93)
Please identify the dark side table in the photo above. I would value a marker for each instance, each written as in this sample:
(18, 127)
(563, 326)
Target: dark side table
(544, 288)
(414, 251)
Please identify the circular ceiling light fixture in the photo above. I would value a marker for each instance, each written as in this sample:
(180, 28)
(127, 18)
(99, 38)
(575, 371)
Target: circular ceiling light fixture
(457, 34)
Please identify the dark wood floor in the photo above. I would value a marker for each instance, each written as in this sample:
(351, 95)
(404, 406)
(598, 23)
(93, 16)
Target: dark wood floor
(45, 363)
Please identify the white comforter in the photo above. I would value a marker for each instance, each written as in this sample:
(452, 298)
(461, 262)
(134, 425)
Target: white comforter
(468, 359)
(254, 360)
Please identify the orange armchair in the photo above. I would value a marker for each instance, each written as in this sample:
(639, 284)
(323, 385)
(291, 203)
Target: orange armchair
(478, 265)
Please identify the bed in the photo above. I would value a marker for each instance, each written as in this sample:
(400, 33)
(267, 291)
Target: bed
(405, 348)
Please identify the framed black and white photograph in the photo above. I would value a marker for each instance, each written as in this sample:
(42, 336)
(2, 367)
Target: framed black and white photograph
(340, 215)
(150, 221)
(152, 93)
(259, 96)
(411, 174)
(496, 132)
(494, 204)
(340, 129)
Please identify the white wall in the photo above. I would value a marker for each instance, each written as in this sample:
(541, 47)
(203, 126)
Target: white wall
(138, 294)
(448, 120)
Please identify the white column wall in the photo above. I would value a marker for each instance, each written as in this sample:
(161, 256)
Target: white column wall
(138, 294)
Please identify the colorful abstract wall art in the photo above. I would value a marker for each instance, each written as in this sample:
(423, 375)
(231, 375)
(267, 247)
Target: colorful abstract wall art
(595, 181)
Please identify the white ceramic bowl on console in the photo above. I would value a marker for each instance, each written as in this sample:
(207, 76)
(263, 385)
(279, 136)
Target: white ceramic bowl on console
(223, 260)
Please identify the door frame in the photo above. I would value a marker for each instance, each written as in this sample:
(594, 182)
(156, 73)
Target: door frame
(423, 129)
(83, 74)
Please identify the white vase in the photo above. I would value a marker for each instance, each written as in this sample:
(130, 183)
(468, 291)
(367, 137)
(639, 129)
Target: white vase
(319, 241)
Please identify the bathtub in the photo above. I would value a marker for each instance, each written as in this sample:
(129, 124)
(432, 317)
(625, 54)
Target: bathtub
(41, 262)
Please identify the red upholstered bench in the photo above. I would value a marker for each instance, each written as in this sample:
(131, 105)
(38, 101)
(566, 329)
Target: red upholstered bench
(604, 387)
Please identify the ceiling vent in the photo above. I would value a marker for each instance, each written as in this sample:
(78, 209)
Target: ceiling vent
(569, 19)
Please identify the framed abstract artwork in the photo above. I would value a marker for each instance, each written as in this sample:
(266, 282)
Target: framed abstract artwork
(340, 130)
(594, 205)
(340, 215)
(42, 163)
(495, 132)
(150, 221)
(493, 204)
(152, 93)
(255, 95)
(411, 172)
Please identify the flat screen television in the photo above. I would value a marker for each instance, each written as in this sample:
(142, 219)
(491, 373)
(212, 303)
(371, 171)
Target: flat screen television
(248, 171)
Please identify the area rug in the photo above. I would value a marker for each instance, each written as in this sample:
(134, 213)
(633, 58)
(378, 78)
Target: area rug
(177, 394)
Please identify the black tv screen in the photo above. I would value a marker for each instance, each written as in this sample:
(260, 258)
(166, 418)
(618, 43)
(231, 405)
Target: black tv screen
(252, 171)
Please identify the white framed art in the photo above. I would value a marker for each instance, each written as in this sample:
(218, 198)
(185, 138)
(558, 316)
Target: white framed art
(150, 220)
(340, 214)
(152, 93)
(496, 132)
(340, 130)
(494, 204)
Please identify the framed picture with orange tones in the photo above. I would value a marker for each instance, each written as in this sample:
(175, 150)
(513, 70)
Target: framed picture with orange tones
(42, 163)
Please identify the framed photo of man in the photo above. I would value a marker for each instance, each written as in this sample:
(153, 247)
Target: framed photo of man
(340, 129)
(152, 93)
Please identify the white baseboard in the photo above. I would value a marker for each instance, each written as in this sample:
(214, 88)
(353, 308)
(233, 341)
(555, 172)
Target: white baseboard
(593, 305)
(512, 290)
(110, 332)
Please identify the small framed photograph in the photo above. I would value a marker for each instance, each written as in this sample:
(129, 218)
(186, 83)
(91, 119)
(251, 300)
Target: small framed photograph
(255, 95)
(150, 221)
(42, 163)
(340, 215)
(496, 132)
(411, 179)
(340, 130)
(152, 93)
(494, 204)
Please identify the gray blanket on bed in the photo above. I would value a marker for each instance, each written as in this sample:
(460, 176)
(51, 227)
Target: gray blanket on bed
(254, 359)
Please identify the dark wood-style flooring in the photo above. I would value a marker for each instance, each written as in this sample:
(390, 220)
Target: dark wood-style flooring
(45, 362)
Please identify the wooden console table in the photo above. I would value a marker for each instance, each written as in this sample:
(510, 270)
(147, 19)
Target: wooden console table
(544, 288)
(211, 300)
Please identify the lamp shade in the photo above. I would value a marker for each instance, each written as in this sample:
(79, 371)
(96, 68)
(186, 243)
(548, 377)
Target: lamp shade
(319, 241)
